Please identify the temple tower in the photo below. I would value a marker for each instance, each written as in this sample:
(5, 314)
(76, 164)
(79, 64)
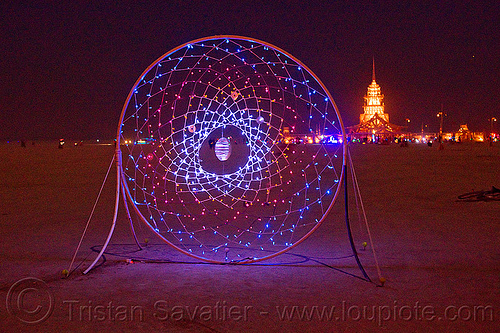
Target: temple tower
(373, 102)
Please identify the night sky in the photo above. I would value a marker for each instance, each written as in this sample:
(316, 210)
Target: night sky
(67, 68)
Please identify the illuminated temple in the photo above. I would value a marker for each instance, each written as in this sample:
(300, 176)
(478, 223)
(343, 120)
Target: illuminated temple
(374, 121)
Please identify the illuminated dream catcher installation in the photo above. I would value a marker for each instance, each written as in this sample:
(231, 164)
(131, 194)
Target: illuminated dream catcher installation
(230, 150)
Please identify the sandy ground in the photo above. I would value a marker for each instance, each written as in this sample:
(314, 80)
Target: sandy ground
(440, 257)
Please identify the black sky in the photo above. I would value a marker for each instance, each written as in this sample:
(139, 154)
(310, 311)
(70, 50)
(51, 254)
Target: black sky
(68, 67)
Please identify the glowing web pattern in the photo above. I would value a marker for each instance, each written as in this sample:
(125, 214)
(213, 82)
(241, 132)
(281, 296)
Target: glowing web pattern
(222, 149)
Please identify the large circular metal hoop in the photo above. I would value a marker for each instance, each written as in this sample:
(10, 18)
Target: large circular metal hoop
(233, 150)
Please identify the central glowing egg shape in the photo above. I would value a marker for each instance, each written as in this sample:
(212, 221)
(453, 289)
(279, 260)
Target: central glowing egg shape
(223, 149)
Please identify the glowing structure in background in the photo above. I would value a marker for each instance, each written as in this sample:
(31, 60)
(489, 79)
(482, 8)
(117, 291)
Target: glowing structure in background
(374, 121)
(373, 104)
(213, 176)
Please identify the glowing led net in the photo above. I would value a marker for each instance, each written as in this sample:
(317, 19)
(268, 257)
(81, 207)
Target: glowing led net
(213, 154)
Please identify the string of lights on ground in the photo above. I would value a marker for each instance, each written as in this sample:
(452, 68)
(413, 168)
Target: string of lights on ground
(232, 149)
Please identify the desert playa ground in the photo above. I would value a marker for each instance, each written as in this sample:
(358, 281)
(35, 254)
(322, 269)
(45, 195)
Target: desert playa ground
(440, 257)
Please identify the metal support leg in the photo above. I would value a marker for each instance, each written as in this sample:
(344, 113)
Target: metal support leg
(118, 158)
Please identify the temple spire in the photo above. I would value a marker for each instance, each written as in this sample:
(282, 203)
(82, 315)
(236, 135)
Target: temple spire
(373, 71)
